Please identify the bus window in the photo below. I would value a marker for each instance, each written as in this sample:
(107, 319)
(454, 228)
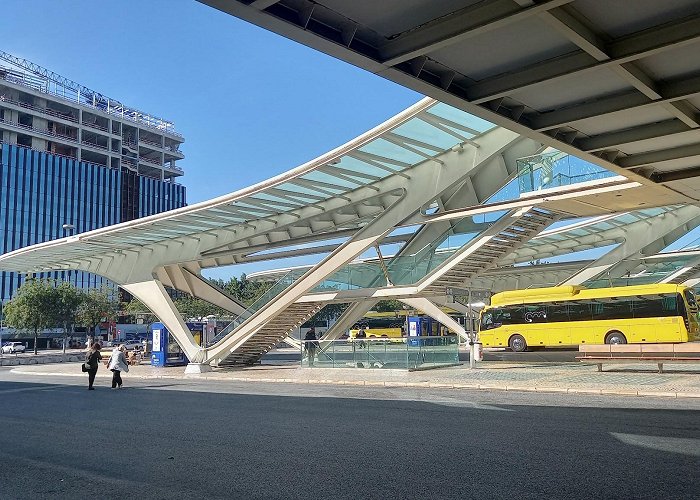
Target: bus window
(690, 299)
(579, 311)
(612, 308)
(652, 306)
(557, 311)
(486, 321)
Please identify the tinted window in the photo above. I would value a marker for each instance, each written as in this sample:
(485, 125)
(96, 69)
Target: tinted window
(502, 316)
(579, 310)
(486, 321)
(690, 298)
(557, 311)
(534, 314)
(612, 308)
(652, 306)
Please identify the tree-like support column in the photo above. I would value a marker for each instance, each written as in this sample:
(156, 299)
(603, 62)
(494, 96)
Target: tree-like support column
(188, 281)
(641, 238)
(156, 298)
(437, 314)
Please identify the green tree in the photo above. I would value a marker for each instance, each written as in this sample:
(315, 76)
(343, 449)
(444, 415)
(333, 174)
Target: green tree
(388, 305)
(242, 289)
(96, 307)
(191, 307)
(137, 308)
(33, 308)
(69, 300)
(330, 312)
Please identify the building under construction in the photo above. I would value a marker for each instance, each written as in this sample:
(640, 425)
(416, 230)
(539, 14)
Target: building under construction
(73, 159)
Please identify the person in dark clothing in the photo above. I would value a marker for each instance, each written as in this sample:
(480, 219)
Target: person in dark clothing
(311, 345)
(92, 361)
(362, 335)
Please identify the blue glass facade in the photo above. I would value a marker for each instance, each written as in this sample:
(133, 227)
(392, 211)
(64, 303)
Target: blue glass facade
(40, 192)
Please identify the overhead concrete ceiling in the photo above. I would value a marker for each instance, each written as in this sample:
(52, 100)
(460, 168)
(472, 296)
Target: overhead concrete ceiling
(614, 82)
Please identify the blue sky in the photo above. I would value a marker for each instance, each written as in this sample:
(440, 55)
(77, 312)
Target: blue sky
(251, 104)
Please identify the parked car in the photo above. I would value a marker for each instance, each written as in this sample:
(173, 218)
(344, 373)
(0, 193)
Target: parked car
(132, 345)
(13, 347)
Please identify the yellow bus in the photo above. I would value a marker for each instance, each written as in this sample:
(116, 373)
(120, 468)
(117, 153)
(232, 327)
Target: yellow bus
(572, 315)
(387, 325)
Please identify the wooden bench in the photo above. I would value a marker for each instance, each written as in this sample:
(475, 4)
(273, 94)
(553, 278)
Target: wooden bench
(639, 353)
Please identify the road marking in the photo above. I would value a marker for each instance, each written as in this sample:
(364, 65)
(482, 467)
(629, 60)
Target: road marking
(468, 404)
(684, 446)
(29, 389)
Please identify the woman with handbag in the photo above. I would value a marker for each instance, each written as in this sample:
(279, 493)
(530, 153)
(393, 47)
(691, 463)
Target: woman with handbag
(117, 364)
(92, 360)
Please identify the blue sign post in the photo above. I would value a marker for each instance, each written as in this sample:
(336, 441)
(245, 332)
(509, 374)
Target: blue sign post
(166, 350)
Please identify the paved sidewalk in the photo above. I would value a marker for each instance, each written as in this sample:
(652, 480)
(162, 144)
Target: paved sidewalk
(681, 381)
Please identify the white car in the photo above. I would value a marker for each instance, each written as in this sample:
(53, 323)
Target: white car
(132, 345)
(13, 347)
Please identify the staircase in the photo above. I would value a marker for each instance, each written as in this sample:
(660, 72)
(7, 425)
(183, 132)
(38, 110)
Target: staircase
(271, 333)
(519, 232)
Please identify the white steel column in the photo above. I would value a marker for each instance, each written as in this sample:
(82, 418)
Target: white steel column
(436, 313)
(185, 280)
(352, 314)
(640, 238)
(364, 239)
(153, 295)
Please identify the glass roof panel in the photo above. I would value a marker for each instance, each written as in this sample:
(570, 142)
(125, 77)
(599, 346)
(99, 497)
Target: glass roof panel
(287, 186)
(460, 117)
(264, 196)
(356, 165)
(331, 179)
(424, 132)
(386, 149)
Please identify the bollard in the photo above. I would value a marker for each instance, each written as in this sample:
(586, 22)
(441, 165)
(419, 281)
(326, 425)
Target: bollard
(478, 351)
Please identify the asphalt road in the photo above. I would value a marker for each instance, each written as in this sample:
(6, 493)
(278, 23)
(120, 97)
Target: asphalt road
(191, 439)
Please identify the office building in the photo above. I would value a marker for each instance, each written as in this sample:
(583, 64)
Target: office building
(73, 160)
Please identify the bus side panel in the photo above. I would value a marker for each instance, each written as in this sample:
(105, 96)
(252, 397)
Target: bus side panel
(670, 329)
(586, 332)
(496, 337)
(536, 334)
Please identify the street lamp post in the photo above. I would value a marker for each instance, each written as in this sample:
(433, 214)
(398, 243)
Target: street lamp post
(67, 228)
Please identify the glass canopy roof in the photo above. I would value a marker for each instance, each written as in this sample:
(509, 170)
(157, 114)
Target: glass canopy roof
(420, 133)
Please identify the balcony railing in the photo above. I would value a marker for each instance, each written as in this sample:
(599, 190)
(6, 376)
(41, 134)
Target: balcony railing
(40, 130)
(94, 145)
(150, 161)
(45, 111)
(117, 110)
(150, 142)
(97, 126)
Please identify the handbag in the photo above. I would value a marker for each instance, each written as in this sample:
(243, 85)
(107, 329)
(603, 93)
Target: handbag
(85, 367)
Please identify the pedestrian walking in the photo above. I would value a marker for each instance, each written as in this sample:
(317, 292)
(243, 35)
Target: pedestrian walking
(117, 364)
(92, 360)
(362, 335)
(310, 344)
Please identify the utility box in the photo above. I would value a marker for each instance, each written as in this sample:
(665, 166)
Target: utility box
(166, 351)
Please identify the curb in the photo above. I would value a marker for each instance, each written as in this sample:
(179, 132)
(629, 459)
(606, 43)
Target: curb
(392, 384)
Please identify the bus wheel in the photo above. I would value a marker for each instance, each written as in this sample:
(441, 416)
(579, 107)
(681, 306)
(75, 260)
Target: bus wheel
(517, 343)
(615, 338)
